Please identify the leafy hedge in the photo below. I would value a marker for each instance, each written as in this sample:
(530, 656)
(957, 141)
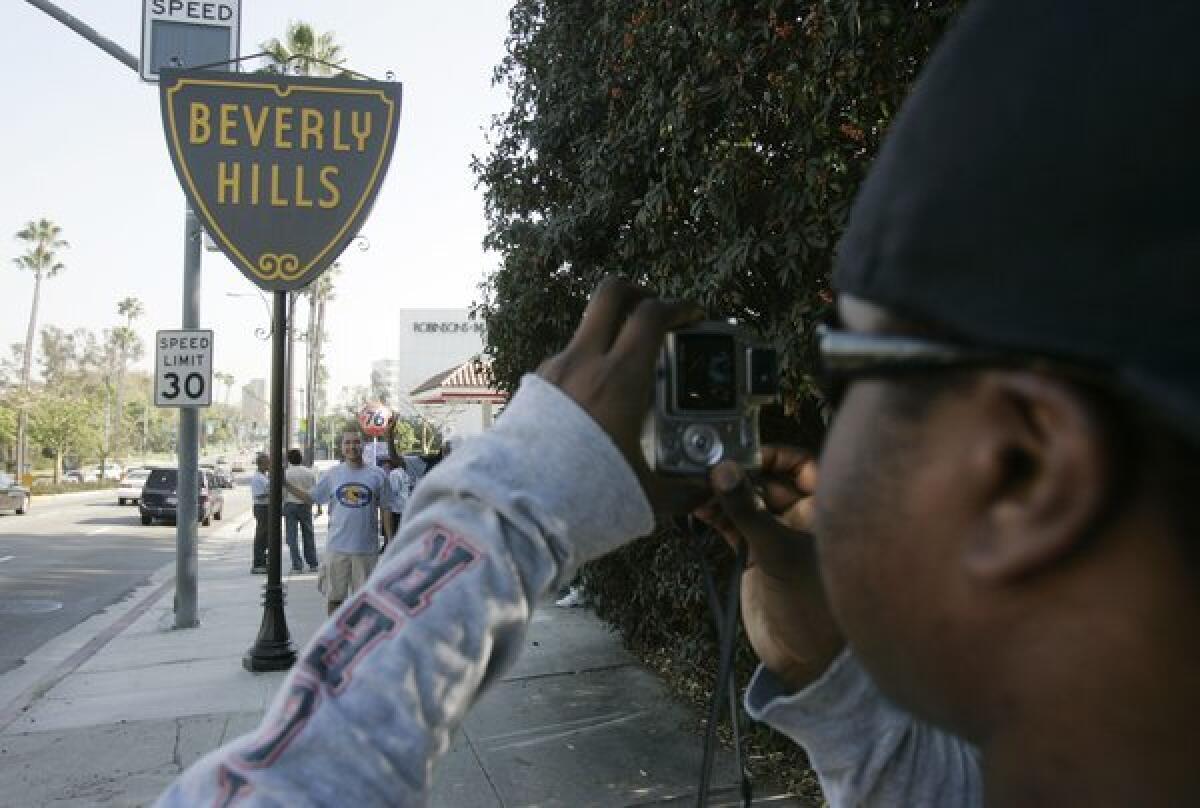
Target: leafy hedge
(710, 149)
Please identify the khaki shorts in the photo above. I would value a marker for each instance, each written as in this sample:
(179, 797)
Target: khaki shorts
(342, 574)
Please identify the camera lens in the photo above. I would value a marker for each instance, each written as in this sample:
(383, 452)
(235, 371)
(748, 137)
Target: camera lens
(702, 445)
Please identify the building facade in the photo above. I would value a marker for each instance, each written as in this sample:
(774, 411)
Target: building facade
(433, 340)
(255, 410)
(433, 343)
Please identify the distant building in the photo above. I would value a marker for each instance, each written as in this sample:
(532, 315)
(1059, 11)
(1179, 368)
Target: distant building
(432, 340)
(255, 405)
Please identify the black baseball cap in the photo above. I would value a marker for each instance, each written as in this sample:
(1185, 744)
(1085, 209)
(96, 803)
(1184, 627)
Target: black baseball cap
(1040, 191)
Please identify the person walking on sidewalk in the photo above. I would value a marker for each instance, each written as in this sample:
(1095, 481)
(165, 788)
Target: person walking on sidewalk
(362, 496)
(260, 486)
(297, 514)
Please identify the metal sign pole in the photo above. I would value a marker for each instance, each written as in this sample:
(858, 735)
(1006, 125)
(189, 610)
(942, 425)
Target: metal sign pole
(272, 649)
(188, 492)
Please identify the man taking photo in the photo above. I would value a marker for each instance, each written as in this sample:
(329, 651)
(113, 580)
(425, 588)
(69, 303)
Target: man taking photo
(1001, 601)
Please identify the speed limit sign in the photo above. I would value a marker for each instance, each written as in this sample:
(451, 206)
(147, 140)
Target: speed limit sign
(183, 368)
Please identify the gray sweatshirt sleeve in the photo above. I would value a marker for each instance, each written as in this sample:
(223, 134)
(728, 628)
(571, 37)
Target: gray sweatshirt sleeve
(865, 751)
(375, 696)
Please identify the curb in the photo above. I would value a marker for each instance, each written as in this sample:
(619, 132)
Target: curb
(62, 655)
(12, 711)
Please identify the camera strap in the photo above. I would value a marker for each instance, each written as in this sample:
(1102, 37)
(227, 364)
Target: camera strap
(726, 622)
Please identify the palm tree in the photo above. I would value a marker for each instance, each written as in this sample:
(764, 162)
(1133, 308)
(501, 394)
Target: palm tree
(319, 292)
(126, 342)
(305, 51)
(44, 238)
(130, 308)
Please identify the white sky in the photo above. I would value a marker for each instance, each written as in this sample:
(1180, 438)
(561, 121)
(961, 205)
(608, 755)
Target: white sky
(82, 144)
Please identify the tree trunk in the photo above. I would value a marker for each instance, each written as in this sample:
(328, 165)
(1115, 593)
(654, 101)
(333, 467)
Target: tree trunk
(315, 346)
(310, 378)
(118, 421)
(26, 366)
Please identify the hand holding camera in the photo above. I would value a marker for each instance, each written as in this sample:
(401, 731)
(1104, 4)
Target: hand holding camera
(784, 608)
(608, 369)
(677, 396)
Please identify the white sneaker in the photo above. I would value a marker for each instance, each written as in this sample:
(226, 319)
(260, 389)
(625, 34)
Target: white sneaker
(571, 599)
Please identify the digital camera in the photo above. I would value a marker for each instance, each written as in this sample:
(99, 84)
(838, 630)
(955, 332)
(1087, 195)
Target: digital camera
(712, 378)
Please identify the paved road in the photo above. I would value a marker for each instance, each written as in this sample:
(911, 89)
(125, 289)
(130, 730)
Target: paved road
(74, 555)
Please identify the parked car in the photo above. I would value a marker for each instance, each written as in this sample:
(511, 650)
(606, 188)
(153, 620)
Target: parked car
(111, 471)
(13, 496)
(160, 498)
(81, 476)
(130, 488)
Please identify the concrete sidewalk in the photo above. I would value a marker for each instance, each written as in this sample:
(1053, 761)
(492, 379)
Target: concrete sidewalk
(110, 712)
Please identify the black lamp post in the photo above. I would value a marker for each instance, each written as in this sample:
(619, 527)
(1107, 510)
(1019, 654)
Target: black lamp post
(272, 650)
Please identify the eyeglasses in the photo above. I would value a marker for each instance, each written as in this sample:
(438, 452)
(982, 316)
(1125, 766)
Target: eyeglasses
(848, 355)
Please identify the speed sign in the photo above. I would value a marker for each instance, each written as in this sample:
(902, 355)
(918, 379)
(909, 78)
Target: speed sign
(183, 368)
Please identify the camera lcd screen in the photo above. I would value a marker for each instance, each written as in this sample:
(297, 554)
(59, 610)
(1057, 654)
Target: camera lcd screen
(706, 372)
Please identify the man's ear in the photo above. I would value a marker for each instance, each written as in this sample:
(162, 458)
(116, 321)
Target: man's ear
(1046, 470)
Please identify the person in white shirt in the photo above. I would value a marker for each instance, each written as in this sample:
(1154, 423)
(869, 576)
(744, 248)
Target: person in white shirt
(259, 488)
(297, 515)
(401, 484)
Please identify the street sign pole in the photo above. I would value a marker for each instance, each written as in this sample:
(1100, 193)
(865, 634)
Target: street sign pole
(272, 650)
(186, 556)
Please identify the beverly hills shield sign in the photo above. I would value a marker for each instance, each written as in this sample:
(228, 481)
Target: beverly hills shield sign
(282, 170)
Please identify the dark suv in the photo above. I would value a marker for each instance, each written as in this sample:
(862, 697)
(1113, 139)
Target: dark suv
(160, 496)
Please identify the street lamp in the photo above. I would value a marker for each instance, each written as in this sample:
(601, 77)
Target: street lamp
(262, 333)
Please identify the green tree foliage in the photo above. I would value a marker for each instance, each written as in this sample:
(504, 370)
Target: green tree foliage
(65, 422)
(710, 149)
(8, 424)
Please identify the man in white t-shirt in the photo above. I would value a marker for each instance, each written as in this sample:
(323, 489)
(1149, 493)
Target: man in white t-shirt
(297, 515)
(259, 490)
(363, 498)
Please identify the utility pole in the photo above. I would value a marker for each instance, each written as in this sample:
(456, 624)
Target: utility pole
(186, 552)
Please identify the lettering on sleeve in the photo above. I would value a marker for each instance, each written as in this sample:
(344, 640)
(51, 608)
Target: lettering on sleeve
(302, 698)
(419, 577)
(232, 786)
(361, 626)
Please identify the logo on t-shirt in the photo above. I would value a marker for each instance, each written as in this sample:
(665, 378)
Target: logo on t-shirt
(353, 495)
